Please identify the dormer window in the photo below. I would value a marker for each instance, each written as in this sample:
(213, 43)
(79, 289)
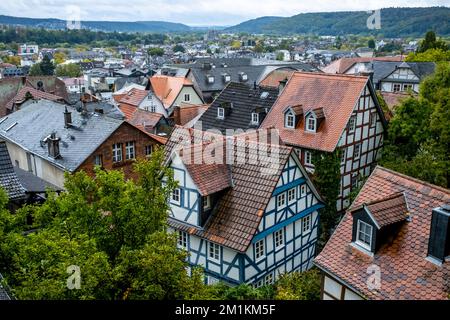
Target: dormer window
(226, 77)
(206, 203)
(289, 121)
(210, 79)
(255, 118)
(364, 235)
(311, 124)
(243, 76)
(220, 113)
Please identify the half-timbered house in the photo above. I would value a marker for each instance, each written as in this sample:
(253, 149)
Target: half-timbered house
(326, 112)
(244, 221)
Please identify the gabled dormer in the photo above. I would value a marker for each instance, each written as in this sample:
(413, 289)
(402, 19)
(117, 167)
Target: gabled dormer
(377, 223)
(313, 119)
(292, 116)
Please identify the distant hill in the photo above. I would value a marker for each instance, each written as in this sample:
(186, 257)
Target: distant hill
(108, 26)
(395, 22)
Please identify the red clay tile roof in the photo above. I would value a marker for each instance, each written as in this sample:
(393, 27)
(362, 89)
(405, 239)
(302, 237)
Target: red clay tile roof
(405, 272)
(134, 97)
(343, 64)
(273, 79)
(239, 210)
(389, 210)
(336, 94)
(168, 88)
(21, 95)
(393, 99)
(190, 111)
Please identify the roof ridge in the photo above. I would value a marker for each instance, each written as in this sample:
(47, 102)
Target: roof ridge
(330, 75)
(389, 197)
(436, 187)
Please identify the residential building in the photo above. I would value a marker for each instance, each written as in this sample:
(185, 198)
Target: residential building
(325, 113)
(49, 139)
(75, 85)
(392, 244)
(28, 50)
(238, 107)
(243, 222)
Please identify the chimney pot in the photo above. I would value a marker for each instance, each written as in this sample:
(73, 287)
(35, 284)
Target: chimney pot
(53, 146)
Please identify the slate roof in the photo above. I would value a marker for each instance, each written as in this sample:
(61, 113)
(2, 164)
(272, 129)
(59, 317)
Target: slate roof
(336, 94)
(245, 99)
(32, 183)
(382, 69)
(29, 126)
(405, 271)
(8, 178)
(387, 211)
(343, 64)
(21, 96)
(238, 213)
(254, 69)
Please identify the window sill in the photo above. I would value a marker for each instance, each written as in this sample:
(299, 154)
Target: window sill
(362, 249)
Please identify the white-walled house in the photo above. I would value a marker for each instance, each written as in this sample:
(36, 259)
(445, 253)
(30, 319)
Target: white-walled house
(243, 222)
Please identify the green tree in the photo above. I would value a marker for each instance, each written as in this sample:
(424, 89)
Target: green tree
(431, 55)
(298, 286)
(179, 48)
(72, 70)
(59, 57)
(430, 42)
(327, 179)
(159, 52)
(47, 67)
(371, 44)
(15, 60)
(36, 70)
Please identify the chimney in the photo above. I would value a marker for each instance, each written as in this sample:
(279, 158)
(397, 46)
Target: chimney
(67, 118)
(281, 86)
(439, 242)
(254, 85)
(53, 146)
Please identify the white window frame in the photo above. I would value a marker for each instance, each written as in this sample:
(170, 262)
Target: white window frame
(176, 196)
(227, 78)
(343, 155)
(289, 116)
(260, 250)
(268, 279)
(306, 224)
(182, 240)
(130, 150)
(152, 108)
(278, 237)
(310, 128)
(352, 124)
(395, 85)
(407, 86)
(211, 79)
(357, 155)
(98, 160)
(117, 155)
(147, 149)
(308, 158)
(281, 200)
(220, 113)
(206, 203)
(214, 251)
(360, 242)
(303, 190)
(291, 195)
(187, 97)
(255, 118)
(373, 119)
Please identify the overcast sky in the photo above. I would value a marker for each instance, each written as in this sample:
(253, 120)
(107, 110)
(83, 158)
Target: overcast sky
(193, 12)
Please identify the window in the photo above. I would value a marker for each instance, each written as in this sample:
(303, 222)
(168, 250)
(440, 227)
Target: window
(407, 87)
(303, 190)
(268, 279)
(255, 118)
(364, 235)
(182, 239)
(152, 108)
(176, 196)
(373, 119)
(206, 202)
(354, 181)
(210, 79)
(98, 161)
(214, 251)
(311, 124)
(220, 113)
(130, 151)
(148, 150)
(343, 155)
(306, 224)
(308, 158)
(279, 238)
(211, 280)
(396, 87)
(281, 199)
(117, 152)
(187, 97)
(351, 124)
(357, 151)
(227, 78)
(291, 195)
(290, 120)
(259, 249)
